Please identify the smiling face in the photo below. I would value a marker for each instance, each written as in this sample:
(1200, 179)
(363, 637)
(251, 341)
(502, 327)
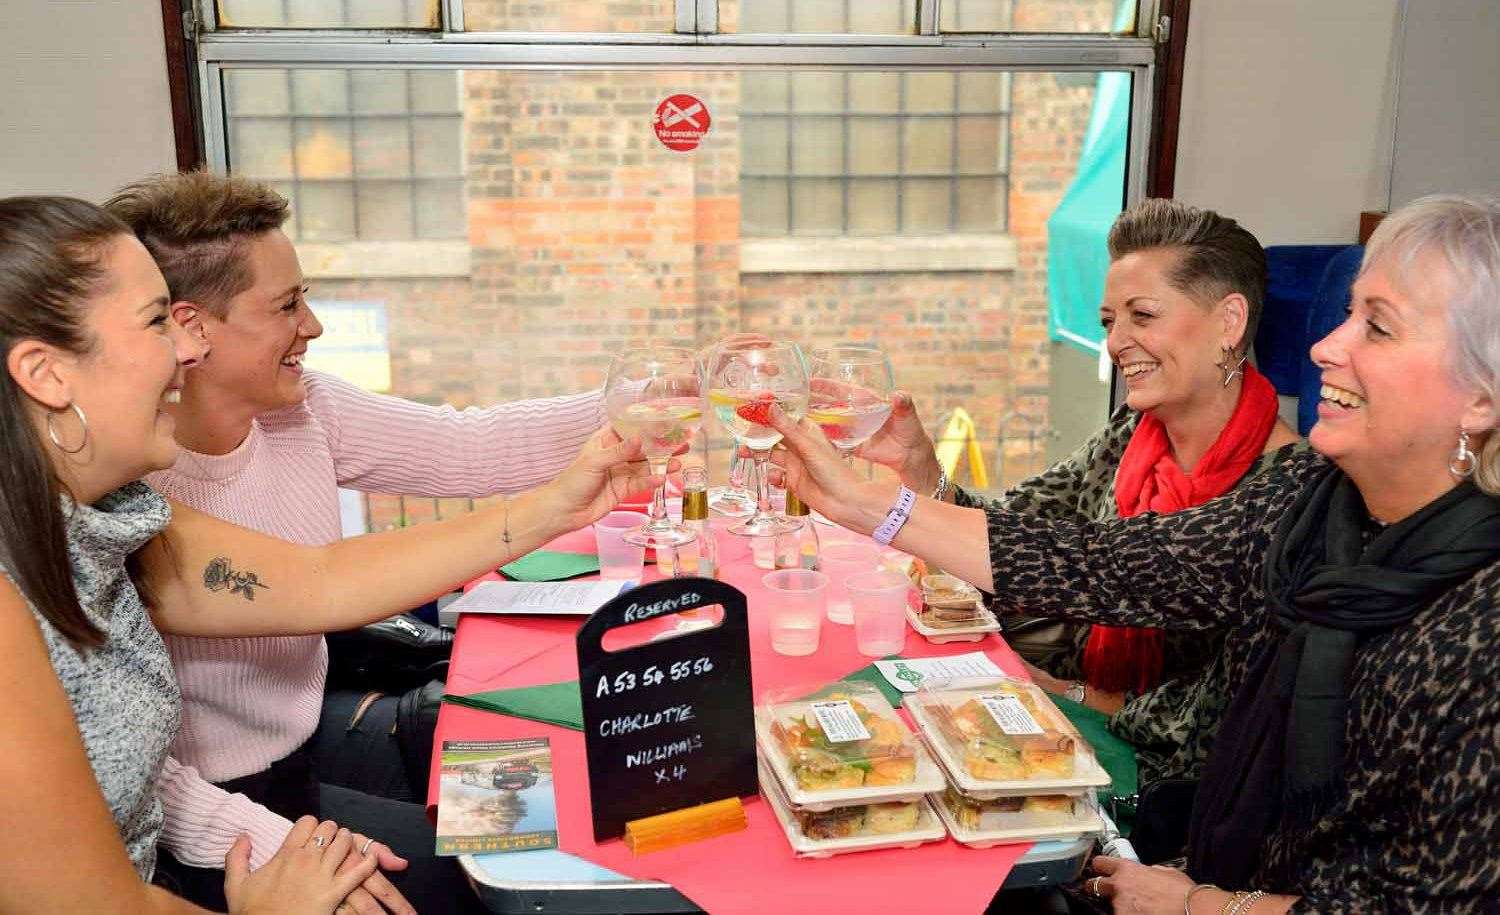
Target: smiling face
(1391, 405)
(133, 369)
(259, 343)
(1165, 341)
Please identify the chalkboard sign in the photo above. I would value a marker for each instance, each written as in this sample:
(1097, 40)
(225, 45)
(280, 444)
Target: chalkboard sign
(667, 724)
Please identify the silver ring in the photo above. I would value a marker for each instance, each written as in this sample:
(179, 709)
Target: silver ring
(320, 841)
(364, 852)
(1094, 886)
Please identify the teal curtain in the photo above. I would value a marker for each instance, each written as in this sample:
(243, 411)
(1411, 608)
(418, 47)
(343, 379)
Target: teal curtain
(1077, 258)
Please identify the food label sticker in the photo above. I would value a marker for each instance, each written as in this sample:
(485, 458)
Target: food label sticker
(840, 722)
(1010, 715)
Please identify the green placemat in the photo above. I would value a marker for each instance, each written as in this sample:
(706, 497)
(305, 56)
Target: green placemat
(1115, 755)
(551, 565)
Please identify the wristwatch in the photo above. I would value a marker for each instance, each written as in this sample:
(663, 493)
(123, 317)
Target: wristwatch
(1076, 691)
(941, 489)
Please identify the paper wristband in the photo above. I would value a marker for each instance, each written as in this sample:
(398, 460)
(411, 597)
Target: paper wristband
(888, 528)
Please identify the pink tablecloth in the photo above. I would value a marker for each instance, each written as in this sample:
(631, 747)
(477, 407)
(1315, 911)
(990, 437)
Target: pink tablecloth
(749, 871)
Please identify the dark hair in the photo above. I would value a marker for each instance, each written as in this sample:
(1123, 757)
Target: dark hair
(1219, 256)
(51, 262)
(195, 224)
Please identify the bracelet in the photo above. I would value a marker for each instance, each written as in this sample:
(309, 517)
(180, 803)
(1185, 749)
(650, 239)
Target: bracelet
(1232, 903)
(1187, 901)
(941, 489)
(901, 511)
(1247, 902)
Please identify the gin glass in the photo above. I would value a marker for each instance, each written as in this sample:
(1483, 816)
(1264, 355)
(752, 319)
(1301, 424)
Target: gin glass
(745, 380)
(850, 393)
(655, 393)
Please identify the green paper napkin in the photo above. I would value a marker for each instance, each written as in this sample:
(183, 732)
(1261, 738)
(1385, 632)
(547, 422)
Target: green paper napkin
(552, 703)
(550, 565)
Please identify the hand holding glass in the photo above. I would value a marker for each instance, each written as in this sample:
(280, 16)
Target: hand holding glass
(850, 393)
(745, 382)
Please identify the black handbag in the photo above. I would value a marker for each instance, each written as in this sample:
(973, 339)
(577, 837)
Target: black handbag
(1163, 811)
(391, 656)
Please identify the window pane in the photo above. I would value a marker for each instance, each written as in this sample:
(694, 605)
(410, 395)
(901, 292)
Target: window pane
(1093, 16)
(979, 205)
(440, 209)
(323, 149)
(262, 147)
(817, 92)
(929, 92)
(979, 145)
(379, 91)
(434, 91)
(437, 147)
(764, 91)
(927, 144)
(764, 149)
(873, 209)
(874, 146)
(382, 147)
(328, 14)
(319, 91)
(869, 17)
(257, 92)
(763, 206)
(326, 210)
(927, 206)
(385, 209)
(983, 92)
(817, 207)
(570, 16)
(875, 92)
(818, 147)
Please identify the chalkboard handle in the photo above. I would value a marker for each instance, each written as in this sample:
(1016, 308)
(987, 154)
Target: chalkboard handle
(662, 598)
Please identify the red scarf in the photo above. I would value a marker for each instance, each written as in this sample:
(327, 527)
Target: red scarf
(1120, 658)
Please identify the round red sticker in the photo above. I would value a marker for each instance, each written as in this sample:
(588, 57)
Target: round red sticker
(681, 121)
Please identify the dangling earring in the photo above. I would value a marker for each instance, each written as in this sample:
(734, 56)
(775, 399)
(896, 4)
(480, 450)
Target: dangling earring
(1230, 366)
(1464, 462)
(56, 440)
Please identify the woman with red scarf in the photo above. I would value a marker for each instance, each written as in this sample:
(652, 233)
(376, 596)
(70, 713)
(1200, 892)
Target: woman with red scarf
(1181, 301)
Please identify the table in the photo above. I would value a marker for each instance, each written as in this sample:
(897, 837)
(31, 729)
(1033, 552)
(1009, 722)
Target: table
(744, 871)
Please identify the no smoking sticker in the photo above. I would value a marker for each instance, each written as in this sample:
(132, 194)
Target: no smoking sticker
(681, 121)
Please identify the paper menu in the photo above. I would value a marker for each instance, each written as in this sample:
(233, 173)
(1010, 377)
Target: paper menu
(543, 598)
(911, 674)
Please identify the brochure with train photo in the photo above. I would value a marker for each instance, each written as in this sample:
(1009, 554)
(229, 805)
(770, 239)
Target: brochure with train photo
(496, 796)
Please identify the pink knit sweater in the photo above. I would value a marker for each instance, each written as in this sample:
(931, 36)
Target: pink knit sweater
(251, 701)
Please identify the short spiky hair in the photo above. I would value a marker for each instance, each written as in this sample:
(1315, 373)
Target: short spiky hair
(195, 224)
(1219, 256)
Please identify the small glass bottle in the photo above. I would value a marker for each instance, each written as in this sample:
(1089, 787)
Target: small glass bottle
(798, 549)
(700, 557)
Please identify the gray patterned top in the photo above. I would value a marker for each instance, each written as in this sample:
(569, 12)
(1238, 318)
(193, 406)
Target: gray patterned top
(123, 693)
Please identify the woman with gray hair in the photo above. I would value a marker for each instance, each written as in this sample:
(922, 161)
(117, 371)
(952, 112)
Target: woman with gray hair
(1357, 767)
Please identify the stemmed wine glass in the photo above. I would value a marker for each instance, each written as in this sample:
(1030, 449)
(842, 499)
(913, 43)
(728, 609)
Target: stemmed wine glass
(655, 393)
(850, 393)
(736, 500)
(745, 380)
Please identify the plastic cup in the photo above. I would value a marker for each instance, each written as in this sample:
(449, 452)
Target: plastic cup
(879, 600)
(618, 559)
(839, 561)
(796, 609)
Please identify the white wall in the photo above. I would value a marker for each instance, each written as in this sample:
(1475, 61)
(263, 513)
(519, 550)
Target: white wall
(84, 106)
(1448, 119)
(1287, 114)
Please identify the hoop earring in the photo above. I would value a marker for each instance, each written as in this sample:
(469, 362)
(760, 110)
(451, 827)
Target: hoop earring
(1464, 462)
(57, 440)
(1231, 367)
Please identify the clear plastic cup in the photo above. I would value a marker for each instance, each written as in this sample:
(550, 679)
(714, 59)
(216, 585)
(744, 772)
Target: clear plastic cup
(796, 609)
(618, 559)
(838, 561)
(879, 603)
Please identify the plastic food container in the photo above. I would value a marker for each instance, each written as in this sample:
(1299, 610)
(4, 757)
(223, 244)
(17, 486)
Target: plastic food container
(842, 745)
(977, 629)
(1004, 820)
(1003, 738)
(862, 827)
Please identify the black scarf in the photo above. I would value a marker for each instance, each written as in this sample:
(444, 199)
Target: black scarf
(1279, 753)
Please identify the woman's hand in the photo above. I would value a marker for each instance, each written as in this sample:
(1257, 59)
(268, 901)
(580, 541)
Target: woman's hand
(606, 472)
(810, 466)
(303, 878)
(904, 446)
(1133, 888)
(376, 896)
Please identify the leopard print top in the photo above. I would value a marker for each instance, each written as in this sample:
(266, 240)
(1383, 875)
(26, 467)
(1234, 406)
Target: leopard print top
(1171, 725)
(1417, 828)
